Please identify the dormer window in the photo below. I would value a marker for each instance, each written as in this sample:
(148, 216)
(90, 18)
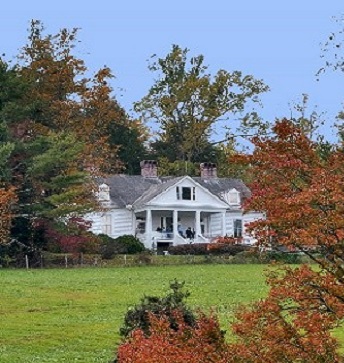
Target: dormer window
(186, 193)
(104, 192)
(232, 197)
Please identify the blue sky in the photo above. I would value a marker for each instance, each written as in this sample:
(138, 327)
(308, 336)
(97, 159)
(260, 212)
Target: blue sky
(279, 42)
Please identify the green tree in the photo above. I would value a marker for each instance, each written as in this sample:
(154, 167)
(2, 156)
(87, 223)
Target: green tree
(129, 136)
(186, 102)
(54, 124)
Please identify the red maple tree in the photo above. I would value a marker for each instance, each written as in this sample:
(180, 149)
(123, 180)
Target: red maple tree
(299, 184)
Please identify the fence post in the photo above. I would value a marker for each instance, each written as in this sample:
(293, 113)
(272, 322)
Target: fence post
(26, 261)
(66, 261)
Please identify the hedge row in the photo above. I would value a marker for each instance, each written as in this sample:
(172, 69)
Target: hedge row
(207, 249)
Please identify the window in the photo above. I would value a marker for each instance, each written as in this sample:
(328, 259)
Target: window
(237, 228)
(186, 193)
(140, 225)
(104, 192)
(178, 193)
(232, 196)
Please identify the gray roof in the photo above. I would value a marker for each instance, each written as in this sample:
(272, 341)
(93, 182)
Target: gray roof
(155, 190)
(219, 185)
(138, 190)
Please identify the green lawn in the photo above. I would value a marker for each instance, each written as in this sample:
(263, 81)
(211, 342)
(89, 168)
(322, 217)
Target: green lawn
(74, 315)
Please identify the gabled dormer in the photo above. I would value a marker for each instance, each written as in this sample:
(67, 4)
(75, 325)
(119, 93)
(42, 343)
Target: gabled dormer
(104, 193)
(231, 197)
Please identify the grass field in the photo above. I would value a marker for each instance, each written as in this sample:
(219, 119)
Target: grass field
(73, 315)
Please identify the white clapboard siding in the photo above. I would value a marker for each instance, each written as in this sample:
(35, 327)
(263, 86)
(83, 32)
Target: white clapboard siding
(122, 222)
(229, 225)
(215, 225)
(96, 220)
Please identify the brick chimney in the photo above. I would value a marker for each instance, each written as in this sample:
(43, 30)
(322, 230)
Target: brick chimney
(208, 170)
(149, 168)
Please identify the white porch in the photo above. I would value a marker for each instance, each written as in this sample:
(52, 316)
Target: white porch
(162, 228)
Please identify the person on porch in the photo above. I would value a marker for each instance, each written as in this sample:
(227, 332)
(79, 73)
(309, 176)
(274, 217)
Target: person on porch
(189, 234)
(180, 230)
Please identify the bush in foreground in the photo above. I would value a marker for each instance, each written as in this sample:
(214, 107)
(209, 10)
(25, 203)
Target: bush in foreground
(126, 244)
(201, 343)
(293, 324)
(139, 317)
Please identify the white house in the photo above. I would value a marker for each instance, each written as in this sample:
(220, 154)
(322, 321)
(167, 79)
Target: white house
(158, 210)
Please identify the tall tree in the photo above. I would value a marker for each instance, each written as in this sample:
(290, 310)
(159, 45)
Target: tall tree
(130, 136)
(186, 101)
(55, 132)
(300, 188)
(62, 99)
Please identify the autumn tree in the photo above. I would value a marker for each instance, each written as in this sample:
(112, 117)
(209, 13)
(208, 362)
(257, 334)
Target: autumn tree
(55, 123)
(294, 323)
(298, 183)
(186, 102)
(62, 98)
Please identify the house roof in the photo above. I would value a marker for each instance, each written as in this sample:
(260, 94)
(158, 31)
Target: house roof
(219, 185)
(136, 189)
(155, 190)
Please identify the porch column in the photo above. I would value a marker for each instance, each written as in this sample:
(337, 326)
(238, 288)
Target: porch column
(197, 224)
(148, 228)
(223, 224)
(175, 224)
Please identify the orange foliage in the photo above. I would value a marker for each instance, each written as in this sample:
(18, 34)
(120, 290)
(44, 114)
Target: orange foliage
(63, 98)
(203, 343)
(300, 186)
(293, 324)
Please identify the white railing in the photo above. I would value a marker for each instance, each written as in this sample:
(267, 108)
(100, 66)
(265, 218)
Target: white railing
(162, 235)
(202, 239)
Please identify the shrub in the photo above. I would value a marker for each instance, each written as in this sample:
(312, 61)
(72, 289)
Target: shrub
(207, 249)
(202, 343)
(125, 244)
(189, 249)
(133, 245)
(138, 316)
(110, 246)
(228, 249)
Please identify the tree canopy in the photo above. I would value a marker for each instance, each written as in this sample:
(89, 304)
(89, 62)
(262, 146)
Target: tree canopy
(57, 134)
(186, 102)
